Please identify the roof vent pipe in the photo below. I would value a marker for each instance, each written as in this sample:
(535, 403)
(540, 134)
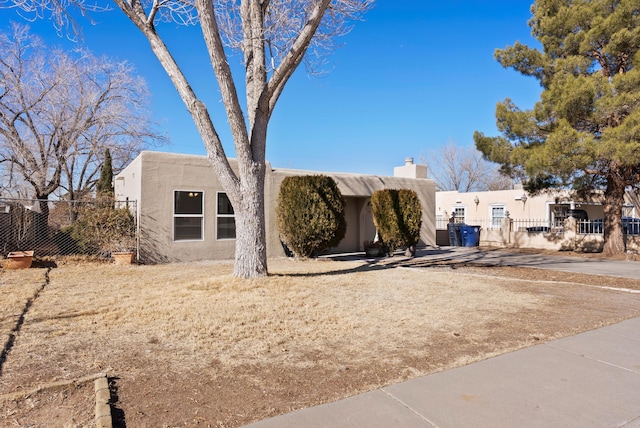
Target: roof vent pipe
(408, 161)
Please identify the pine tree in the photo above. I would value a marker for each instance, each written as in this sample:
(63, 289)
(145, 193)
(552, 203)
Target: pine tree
(584, 133)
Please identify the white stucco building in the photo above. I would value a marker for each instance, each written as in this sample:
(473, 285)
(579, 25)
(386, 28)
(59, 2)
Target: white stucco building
(518, 219)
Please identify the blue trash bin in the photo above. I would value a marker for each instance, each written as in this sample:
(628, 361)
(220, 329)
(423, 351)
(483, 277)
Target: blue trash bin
(455, 235)
(470, 235)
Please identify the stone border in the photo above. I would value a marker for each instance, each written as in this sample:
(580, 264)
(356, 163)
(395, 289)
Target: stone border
(101, 388)
(103, 403)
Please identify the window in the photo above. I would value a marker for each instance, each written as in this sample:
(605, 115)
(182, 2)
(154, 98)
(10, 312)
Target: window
(187, 215)
(458, 214)
(226, 220)
(628, 211)
(559, 215)
(497, 213)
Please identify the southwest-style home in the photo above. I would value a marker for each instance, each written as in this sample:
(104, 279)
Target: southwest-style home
(183, 213)
(552, 220)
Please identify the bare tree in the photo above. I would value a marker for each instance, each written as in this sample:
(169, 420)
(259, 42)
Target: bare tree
(58, 113)
(464, 170)
(11, 185)
(274, 37)
(497, 181)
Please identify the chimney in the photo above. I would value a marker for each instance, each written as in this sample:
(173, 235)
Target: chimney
(410, 170)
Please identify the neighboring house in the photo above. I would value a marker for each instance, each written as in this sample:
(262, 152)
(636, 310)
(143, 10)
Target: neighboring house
(183, 213)
(538, 221)
(18, 226)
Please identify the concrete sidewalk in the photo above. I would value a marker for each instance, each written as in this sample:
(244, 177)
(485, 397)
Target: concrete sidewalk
(588, 380)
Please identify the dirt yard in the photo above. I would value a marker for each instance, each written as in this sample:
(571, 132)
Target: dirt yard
(189, 345)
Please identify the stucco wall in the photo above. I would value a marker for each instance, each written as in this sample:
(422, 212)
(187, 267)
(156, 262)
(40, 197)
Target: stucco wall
(160, 174)
(520, 207)
(525, 213)
(533, 207)
(560, 239)
(127, 183)
(152, 178)
(357, 190)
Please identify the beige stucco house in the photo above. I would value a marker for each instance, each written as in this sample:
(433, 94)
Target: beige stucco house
(490, 207)
(516, 218)
(183, 213)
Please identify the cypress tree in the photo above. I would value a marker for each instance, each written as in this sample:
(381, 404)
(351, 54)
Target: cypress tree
(105, 183)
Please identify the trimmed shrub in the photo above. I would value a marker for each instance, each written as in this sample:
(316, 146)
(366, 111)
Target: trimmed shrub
(310, 214)
(397, 215)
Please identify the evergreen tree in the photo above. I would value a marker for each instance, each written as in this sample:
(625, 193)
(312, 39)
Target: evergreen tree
(105, 182)
(584, 132)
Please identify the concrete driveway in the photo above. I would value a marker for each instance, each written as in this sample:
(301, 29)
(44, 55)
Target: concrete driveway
(502, 257)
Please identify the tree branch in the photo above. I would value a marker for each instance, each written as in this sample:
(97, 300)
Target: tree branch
(196, 107)
(295, 55)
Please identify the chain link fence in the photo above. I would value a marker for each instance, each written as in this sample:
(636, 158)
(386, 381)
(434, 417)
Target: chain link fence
(66, 228)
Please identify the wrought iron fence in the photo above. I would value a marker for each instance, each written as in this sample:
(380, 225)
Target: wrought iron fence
(587, 227)
(54, 228)
(518, 225)
(486, 223)
(535, 225)
(630, 226)
(441, 223)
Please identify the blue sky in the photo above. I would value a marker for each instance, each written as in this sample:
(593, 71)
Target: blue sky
(413, 76)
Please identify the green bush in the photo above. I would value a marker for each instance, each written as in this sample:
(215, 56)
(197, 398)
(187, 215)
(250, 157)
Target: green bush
(397, 215)
(310, 214)
(103, 229)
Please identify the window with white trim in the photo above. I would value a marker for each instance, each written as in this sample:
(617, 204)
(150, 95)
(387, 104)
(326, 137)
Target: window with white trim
(459, 214)
(225, 218)
(188, 215)
(496, 214)
(628, 210)
(559, 214)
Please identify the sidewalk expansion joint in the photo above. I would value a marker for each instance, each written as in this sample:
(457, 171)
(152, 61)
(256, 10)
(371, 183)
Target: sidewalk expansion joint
(627, 369)
(405, 405)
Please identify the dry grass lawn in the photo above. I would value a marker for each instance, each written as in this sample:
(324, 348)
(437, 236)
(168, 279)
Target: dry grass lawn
(188, 344)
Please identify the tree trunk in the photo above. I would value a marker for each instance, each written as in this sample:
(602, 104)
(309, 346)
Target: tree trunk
(42, 219)
(251, 251)
(245, 191)
(612, 206)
